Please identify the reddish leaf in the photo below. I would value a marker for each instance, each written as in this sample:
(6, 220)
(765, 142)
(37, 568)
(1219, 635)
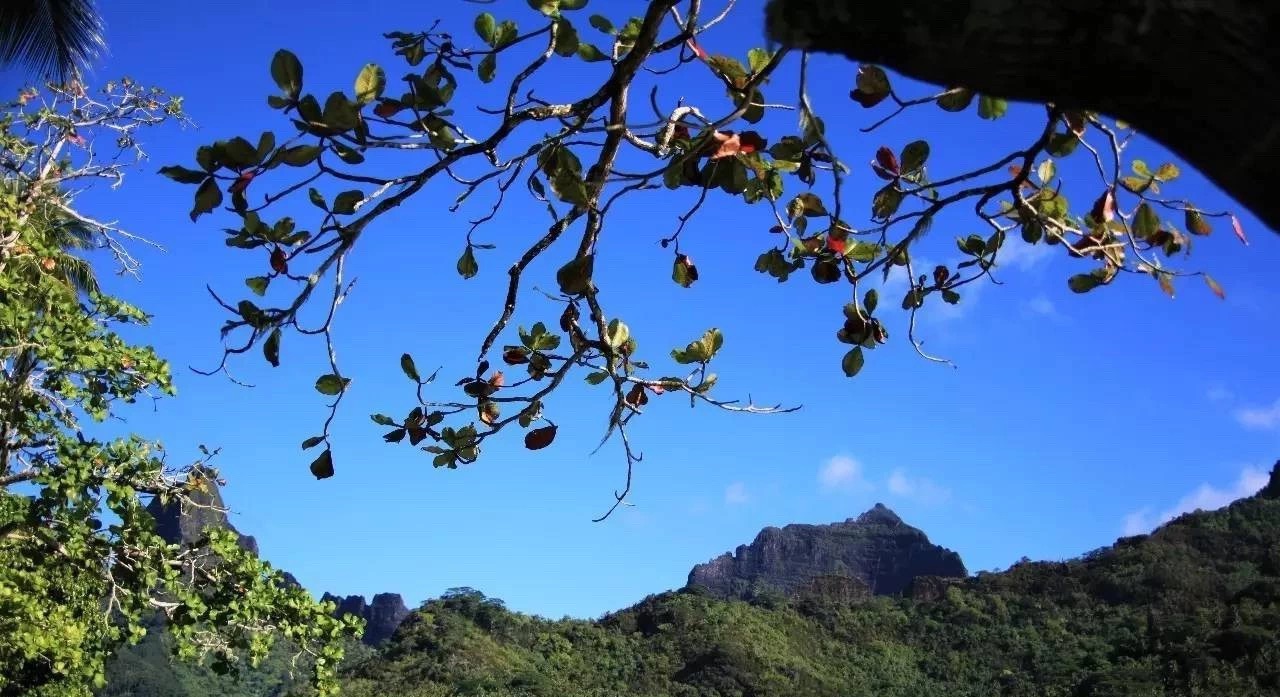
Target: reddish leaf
(837, 244)
(1104, 209)
(1213, 286)
(636, 396)
(279, 263)
(241, 183)
(867, 100)
(1075, 121)
(388, 108)
(539, 438)
(750, 142)
(886, 159)
(727, 144)
(497, 379)
(515, 355)
(77, 139)
(1235, 224)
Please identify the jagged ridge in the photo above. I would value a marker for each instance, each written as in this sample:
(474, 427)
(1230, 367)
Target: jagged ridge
(876, 549)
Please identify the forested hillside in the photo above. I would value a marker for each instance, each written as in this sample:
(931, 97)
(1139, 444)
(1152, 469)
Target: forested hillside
(1193, 608)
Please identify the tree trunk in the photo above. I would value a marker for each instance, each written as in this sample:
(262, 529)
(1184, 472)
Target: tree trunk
(1201, 77)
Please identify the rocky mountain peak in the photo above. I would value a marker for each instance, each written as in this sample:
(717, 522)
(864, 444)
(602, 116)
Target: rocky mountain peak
(876, 550)
(1272, 489)
(878, 514)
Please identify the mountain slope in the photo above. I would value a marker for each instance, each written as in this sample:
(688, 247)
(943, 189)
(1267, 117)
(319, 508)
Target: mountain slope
(1193, 609)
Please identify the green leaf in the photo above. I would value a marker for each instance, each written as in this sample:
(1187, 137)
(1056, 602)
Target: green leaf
(596, 378)
(575, 277)
(591, 54)
(853, 361)
(286, 70)
(757, 59)
(370, 83)
(701, 350)
(312, 442)
(182, 175)
(258, 284)
(467, 266)
(486, 27)
(488, 68)
(300, 155)
(410, 370)
(950, 296)
(1046, 171)
(1083, 282)
(956, 99)
(1062, 144)
(208, 197)
(992, 107)
(322, 466)
(331, 384)
(566, 38)
(346, 202)
(271, 348)
(871, 300)
(886, 202)
(914, 156)
(616, 333)
(1145, 222)
(602, 23)
(1167, 172)
(383, 420)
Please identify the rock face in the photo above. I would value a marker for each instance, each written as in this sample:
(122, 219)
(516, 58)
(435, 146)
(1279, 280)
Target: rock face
(184, 523)
(876, 550)
(382, 616)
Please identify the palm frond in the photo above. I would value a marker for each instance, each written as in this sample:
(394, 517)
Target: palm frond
(50, 36)
(77, 273)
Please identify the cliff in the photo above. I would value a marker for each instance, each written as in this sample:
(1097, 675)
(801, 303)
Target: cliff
(185, 523)
(876, 549)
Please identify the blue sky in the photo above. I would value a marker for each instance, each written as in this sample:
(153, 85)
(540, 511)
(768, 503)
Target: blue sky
(1069, 420)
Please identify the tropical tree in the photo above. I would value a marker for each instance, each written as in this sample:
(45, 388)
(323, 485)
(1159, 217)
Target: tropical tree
(82, 569)
(622, 137)
(60, 37)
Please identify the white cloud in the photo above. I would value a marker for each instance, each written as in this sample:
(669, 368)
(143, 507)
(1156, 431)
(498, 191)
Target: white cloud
(1206, 497)
(920, 489)
(1022, 256)
(736, 494)
(1043, 306)
(842, 473)
(1260, 418)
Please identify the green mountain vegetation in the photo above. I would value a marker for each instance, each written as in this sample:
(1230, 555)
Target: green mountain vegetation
(1192, 609)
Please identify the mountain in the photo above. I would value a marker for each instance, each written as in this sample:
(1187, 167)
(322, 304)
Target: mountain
(1192, 609)
(875, 553)
(185, 523)
(381, 616)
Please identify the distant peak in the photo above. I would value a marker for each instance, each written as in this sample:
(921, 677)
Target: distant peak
(879, 514)
(1272, 489)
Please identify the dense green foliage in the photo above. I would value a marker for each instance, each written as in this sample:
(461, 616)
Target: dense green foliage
(1193, 609)
(81, 564)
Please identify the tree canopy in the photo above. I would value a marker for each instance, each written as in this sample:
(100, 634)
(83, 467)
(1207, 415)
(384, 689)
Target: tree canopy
(362, 150)
(82, 568)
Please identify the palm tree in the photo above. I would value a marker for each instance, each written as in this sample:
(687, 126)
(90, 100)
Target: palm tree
(50, 36)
